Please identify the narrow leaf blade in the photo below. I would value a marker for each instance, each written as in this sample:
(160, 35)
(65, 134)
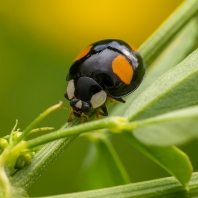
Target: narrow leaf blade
(173, 128)
(159, 188)
(162, 37)
(170, 158)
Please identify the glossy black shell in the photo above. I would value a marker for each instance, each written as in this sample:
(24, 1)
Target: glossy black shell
(97, 64)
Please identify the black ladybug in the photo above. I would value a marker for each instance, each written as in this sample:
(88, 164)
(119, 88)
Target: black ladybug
(107, 68)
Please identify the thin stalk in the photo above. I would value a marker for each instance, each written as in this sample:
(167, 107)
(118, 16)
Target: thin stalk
(13, 130)
(114, 123)
(5, 186)
(37, 121)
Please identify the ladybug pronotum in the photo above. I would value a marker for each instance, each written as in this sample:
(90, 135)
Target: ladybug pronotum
(107, 68)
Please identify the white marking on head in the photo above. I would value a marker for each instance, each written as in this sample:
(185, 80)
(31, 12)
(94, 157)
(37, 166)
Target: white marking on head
(70, 89)
(98, 99)
(79, 104)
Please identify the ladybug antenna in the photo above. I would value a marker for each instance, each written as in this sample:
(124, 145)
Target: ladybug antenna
(69, 109)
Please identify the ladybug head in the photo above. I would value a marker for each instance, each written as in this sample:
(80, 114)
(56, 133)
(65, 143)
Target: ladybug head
(85, 93)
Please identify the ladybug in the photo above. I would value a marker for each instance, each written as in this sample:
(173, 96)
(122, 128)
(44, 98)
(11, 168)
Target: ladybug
(105, 69)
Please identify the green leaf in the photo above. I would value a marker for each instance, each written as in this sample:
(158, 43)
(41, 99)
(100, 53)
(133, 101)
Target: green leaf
(162, 37)
(158, 188)
(170, 158)
(169, 129)
(102, 166)
(176, 89)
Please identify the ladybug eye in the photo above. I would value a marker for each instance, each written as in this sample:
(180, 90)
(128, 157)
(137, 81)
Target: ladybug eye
(70, 89)
(98, 99)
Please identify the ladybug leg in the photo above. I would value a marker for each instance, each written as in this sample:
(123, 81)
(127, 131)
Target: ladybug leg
(104, 113)
(82, 119)
(120, 100)
(111, 100)
(84, 115)
(70, 117)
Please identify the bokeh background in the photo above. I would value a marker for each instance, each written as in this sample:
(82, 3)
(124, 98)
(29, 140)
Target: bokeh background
(38, 41)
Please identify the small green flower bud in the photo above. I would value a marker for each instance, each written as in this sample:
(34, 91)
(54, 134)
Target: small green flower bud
(23, 160)
(16, 135)
(27, 158)
(3, 143)
(19, 163)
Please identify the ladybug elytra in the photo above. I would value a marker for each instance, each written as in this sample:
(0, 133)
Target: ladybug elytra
(107, 68)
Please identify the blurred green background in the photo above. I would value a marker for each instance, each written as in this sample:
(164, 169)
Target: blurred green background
(38, 41)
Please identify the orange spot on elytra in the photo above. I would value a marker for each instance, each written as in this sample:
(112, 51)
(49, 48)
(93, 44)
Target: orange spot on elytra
(83, 53)
(123, 69)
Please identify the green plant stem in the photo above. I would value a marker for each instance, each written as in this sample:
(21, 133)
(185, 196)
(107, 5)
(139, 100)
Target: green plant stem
(4, 183)
(159, 188)
(165, 33)
(114, 123)
(178, 115)
(5, 186)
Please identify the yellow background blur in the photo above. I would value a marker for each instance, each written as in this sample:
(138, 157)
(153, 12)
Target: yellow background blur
(38, 41)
